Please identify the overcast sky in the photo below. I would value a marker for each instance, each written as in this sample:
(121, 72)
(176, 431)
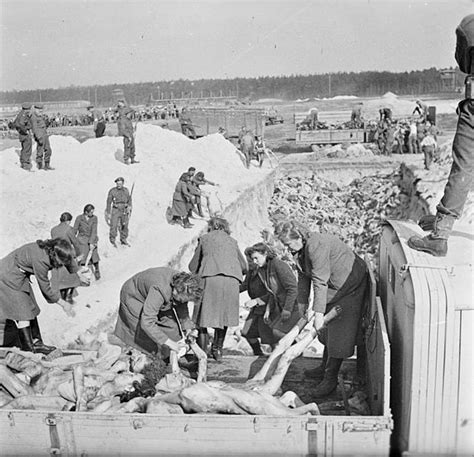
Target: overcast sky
(52, 43)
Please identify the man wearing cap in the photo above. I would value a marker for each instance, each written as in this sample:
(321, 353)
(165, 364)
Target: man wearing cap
(98, 121)
(125, 129)
(22, 124)
(43, 148)
(117, 211)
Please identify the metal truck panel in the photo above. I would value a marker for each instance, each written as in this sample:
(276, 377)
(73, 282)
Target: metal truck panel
(430, 322)
(329, 136)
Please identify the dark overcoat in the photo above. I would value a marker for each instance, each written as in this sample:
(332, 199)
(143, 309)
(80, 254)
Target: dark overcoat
(146, 318)
(220, 262)
(282, 289)
(17, 300)
(182, 200)
(60, 277)
(85, 229)
(339, 277)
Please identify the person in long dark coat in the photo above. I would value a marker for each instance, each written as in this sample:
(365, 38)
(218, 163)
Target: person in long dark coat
(85, 228)
(150, 304)
(255, 329)
(218, 260)
(60, 277)
(182, 202)
(17, 301)
(281, 290)
(339, 278)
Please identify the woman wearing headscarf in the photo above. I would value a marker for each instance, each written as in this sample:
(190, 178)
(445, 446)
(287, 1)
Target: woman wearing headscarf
(85, 228)
(154, 309)
(218, 260)
(339, 278)
(281, 290)
(61, 278)
(17, 301)
(182, 202)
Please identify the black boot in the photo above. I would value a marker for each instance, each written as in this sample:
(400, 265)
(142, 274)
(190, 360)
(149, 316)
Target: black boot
(26, 340)
(430, 244)
(199, 207)
(203, 340)
(318, 372)
(186, 223)
(38, 344)
(256, 348)
(329, 382)
(218, 343)
(96, 271)
(9, 336)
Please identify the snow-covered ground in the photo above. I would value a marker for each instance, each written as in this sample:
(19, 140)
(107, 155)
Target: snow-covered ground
(31, 203)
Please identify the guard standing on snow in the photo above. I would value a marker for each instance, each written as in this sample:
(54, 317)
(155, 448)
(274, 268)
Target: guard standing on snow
(125, 129)
(22, 124)
(118, 210)
(43, 148)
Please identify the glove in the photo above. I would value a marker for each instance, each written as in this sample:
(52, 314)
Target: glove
(427, 222)
(285, 315)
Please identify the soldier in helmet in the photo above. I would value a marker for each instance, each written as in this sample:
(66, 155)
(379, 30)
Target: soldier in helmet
(22, 124)
(39, 129)
(117, 212)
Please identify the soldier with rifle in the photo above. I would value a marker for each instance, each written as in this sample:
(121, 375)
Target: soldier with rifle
(22, 124)
(118, 211)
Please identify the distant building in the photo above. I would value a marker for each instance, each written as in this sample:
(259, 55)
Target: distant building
(448, 80)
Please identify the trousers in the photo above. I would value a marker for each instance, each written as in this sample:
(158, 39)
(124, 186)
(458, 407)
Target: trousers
(128, 148)
(118, 221)
(43, 150)
(26, 149)
(460, 177)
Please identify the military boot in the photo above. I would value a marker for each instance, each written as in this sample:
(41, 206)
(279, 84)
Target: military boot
(186, 223)
(329, 382)
(47, 166)
(318, 372)
(435, 243)
(256, 348)
(218, 343)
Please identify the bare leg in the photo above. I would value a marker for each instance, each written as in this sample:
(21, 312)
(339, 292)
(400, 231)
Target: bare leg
(202, 357)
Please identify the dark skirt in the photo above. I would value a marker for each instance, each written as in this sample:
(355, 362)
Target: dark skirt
(84, 248)
(255, 327)
(342, 333)
(219, 306)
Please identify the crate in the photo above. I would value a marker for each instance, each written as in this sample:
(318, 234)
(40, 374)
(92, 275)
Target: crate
(91, 434)
(429, 310)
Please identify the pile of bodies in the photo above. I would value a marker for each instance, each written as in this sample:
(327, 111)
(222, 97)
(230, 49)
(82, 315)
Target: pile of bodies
(354, 212)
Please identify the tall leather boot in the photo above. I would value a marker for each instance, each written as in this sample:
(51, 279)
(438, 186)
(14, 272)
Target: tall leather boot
(26, 340)
(96, 271)
(329, 382)
(318, 372)
(199, 209)
(38, 344)
(9, 334)
(218, 343)
(256, 348)
(203, 341)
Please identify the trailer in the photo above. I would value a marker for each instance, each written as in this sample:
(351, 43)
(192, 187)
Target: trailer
(91, 434)
(429, 310)
(329, 136)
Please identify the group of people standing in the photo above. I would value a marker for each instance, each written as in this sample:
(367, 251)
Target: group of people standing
(153, 314)
(30, 123)
(187, 197)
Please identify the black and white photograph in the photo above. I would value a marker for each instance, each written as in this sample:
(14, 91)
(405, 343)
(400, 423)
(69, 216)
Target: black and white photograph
(237, 228)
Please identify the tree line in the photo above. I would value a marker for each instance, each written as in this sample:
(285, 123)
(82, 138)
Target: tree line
(291, 87)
